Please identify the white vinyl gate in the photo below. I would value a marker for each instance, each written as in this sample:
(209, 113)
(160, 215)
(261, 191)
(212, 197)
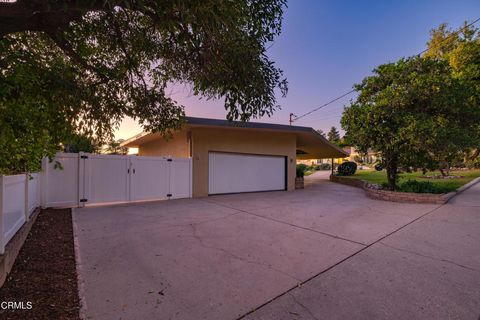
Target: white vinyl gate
(78, 179)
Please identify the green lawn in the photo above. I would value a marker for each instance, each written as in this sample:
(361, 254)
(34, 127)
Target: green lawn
(379, 177)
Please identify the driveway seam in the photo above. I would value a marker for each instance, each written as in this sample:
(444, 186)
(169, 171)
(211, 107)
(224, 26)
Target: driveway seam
(336, 264)
(289, 224)
(428, 257)
(78, 263)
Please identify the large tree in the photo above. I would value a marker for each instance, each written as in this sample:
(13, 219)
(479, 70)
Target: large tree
(462, 51)
(95, 62)
(414, 112)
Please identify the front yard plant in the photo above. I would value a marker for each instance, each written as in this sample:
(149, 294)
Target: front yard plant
(347, 168)
(421, 112)
(419, 182)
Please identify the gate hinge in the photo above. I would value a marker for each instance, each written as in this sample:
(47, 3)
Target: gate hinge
(169, 160)
(83, 200)
(169, 195)
(83, 157)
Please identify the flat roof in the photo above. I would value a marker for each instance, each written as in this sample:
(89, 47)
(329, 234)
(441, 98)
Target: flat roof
(310, 143)
(240, 124)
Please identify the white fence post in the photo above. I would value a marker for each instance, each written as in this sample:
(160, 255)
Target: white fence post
(2, 206)
(81, 180)
(27, 197)
(44, 183)
(190, 177)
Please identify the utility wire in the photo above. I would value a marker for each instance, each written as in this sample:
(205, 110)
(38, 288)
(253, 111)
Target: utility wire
(295, 118)
(324, 105)
(451, 35)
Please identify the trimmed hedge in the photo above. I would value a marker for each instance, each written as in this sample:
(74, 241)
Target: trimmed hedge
(347, 168)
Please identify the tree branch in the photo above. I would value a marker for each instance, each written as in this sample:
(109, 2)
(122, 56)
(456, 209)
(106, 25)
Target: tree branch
(63, 44)
(47, 15)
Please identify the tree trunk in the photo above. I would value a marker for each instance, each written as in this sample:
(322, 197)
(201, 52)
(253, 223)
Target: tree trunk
(444, 168)
(392, 170)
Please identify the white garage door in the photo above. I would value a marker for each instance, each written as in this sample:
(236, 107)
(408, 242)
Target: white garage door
(233, 172)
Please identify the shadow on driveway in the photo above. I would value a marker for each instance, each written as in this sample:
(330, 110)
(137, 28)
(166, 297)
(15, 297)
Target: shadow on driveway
(223, 256)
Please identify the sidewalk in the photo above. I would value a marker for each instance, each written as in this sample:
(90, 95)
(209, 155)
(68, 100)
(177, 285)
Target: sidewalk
(430, 269)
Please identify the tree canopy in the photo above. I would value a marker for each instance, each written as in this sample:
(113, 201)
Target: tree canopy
(414, 112)
(462, 52)
(333, 135)
(82, 66)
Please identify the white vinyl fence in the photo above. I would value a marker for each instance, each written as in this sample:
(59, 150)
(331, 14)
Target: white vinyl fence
(19, 197)
(78, 179)
(97, 178)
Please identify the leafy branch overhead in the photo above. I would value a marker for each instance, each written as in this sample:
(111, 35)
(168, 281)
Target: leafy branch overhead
(95, 62)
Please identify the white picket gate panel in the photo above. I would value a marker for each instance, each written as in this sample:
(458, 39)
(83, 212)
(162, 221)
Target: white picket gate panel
(181, 183)
(94, 179)
(150, 178)
(106, 178)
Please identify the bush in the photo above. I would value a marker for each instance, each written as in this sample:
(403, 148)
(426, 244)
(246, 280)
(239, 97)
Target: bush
(378, 167)
(475, 164)
(421, 187)
(347, 168)
(301, 168)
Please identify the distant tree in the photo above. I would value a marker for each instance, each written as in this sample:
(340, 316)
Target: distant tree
(414, 112)
(80, 143)
(115, 147)
(333, 135)
(320, 131)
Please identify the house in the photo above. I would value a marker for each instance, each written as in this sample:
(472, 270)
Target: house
(233, 157)
(354, 155)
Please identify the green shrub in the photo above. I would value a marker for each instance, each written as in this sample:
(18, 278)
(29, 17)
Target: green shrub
(421, 187)
(347, 168)
(301, 168)
(475, 164)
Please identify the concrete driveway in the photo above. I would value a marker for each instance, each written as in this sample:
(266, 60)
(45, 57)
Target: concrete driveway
(320, 253)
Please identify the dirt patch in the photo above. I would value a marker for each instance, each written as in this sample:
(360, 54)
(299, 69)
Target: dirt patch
(44, 273)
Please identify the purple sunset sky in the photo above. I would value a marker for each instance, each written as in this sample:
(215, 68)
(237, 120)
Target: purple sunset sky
(327, 46)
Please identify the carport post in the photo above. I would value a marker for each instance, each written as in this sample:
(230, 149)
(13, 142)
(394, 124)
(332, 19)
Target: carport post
(332, 166)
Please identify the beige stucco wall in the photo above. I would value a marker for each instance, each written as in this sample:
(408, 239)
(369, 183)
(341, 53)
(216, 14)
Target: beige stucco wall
(241, 141)
(177, 146)
(226, 140)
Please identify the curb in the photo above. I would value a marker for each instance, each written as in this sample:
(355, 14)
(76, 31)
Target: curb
(406, 197)
(451, 195)
(78, 263)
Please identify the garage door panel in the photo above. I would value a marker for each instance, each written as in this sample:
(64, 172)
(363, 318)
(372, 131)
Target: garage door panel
(234, 173)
